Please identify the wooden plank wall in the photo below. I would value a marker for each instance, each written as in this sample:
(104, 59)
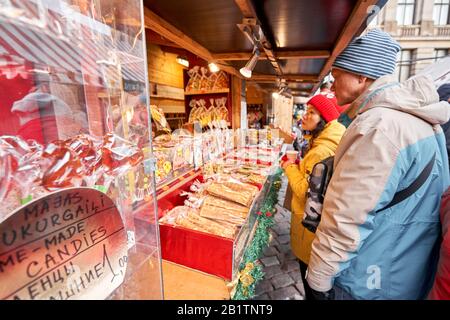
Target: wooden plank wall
(164, 69)
(254, 95)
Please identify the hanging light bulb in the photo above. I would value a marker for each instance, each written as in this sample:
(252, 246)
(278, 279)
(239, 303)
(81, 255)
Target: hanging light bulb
(247, 70)
(213, 67)
(183, 61)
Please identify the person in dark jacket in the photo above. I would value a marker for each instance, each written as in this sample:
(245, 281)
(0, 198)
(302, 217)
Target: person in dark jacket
(444, 95)
(441, 286)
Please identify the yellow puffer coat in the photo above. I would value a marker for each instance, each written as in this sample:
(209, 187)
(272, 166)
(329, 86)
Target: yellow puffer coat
(322, 147)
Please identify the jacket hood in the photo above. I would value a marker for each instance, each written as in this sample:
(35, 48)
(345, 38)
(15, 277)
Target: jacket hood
(416, 96)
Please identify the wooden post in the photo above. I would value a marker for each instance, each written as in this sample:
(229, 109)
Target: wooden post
(237, 97)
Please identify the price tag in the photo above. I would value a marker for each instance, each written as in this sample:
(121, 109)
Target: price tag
(70, 244)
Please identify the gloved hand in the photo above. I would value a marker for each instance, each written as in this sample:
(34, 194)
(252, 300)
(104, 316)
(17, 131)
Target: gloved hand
(329, 295)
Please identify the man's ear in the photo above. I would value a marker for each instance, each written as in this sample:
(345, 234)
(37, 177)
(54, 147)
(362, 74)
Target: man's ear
(362, 79)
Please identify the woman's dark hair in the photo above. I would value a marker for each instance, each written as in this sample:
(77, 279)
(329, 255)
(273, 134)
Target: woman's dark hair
(320, 126)
(314, 134)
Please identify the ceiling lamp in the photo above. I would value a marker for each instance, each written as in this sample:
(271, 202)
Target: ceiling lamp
(213, 67)
(183, 61)
(247, 70)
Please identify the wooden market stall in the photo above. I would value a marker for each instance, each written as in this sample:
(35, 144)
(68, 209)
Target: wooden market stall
(294, 44)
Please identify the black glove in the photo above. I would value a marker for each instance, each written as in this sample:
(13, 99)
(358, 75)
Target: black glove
(317, 295)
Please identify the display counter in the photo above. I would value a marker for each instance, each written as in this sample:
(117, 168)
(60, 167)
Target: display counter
(212, 259)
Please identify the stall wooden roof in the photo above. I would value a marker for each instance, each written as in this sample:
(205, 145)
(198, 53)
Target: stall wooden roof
(301, 38)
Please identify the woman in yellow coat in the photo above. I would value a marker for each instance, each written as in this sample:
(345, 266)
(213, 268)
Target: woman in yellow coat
(322, 134)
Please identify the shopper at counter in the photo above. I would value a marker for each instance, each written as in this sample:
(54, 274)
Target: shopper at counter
(441, 286)
(324, 136)
(362, 249)
(444, 95)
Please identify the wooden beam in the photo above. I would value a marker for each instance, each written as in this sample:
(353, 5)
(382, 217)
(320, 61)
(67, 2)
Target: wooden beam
(297, 54)
(235, 56)
(303, 54)
(288, 77)
(157, 39)
(249, 12)
(274, 81)
(353, 25)
(155, 23)
(246, 8)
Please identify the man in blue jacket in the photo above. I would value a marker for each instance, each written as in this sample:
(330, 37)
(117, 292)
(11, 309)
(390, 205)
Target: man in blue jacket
(380, 220)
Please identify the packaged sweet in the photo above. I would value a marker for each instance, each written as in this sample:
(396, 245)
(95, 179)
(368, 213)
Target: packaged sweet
(164, 165)
(223, 210)
(6, 166)
(194, 200)
(32, 170)
(89, 152)
(65, 169)
(218, 214)
(189, 218)
(119, 155)
(241, 193)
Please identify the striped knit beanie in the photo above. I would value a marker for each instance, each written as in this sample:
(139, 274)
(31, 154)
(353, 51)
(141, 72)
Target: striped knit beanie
(372, 55)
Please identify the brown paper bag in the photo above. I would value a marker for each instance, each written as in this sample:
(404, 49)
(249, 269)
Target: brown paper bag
(288, 198)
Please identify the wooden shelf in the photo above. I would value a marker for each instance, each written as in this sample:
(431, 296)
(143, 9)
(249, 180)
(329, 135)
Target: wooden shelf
(192, 93)
(165, 97)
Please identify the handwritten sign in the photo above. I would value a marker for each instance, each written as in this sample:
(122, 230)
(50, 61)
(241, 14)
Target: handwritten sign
(68, 245)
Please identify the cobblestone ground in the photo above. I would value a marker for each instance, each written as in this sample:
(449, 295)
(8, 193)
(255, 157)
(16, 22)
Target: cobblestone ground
(282, 280)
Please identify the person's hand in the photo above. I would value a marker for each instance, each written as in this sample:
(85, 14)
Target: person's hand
(317, 295)
(286, 163)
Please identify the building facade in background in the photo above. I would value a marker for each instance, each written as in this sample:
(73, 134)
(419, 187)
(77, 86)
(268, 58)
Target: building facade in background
(422, 27)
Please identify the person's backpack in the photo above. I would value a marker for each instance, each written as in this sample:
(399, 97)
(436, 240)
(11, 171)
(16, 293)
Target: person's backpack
(320, 178)
(318, 182)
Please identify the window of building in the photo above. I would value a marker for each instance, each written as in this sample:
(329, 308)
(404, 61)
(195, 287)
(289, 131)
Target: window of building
(404, 62)
(439, 53)
(441, 12)
(405, 12)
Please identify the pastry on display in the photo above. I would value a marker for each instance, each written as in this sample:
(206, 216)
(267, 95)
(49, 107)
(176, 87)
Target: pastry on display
(201, 79)
(221, 81)
(213, 115)
(194, 79)
(224, 210)
(190, 218)
(241, 193)
(159, 120)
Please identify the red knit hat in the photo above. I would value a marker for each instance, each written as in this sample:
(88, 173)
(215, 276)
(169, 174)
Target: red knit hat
(330, 95)
(326, 106)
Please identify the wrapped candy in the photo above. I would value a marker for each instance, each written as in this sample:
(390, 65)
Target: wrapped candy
(118, 156)
(28, 170)
(65, 169)
(25, 160)
(6, 161)
(89, 153)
